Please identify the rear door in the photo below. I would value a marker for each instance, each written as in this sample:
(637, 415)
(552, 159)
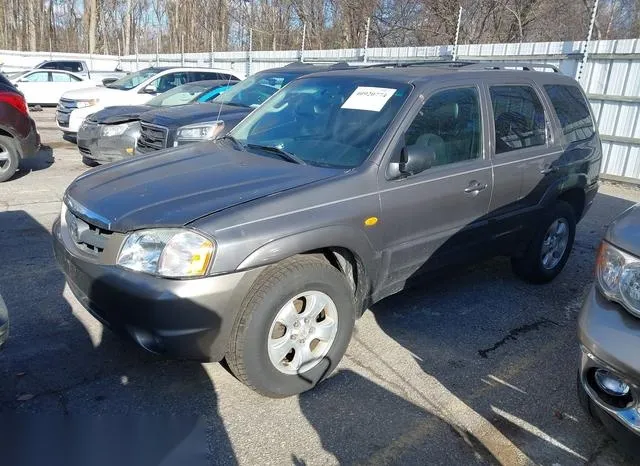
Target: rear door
(523, 151)
(437, 217)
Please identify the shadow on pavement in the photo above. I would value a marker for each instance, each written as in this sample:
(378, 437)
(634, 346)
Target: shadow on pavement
(108, 391)
(472, 328)
(41, 161)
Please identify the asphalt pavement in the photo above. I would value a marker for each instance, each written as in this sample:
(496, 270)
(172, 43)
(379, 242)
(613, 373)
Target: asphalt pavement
(474, 367)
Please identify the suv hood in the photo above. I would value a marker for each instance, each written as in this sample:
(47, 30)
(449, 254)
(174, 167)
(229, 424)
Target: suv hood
(114, 96)
(175, 187)
(175, 117)
(120, 114)
(624, 231)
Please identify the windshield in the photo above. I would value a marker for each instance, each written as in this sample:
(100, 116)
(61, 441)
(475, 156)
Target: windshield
(180, 95)
(132, 80)
(255, 89)
(331, 121)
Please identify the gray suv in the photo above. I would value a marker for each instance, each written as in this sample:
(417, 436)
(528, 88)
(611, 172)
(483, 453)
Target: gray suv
(263, 247)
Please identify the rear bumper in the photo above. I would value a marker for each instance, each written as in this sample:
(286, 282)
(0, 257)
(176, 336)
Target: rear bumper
(589, 196)
(610, 337)
(30, 145)
(189, 319)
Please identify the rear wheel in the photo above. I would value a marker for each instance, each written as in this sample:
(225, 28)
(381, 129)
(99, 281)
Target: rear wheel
(293, 328)
(9, 159)
(548, 251)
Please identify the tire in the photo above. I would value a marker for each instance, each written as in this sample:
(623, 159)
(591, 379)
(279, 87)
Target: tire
(89, 162)
(9, 158)
(259, 323)
(530, 266)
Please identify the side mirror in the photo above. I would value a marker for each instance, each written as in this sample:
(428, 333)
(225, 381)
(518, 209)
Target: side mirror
(413, 160)
(149, 90)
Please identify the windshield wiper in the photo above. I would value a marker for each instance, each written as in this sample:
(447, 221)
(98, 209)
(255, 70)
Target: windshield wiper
(234, 141)
(231, 104)
(282, 153)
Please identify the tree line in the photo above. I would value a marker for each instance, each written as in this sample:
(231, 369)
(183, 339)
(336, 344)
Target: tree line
(171, 26)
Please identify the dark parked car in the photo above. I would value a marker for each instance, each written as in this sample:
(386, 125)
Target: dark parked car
(609, 331)
(18, 135)
(111, 134)
(263, 247)
(4, 322)
(173, 127)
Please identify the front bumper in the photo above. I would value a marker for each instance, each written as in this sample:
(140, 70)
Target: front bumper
(94, 146)
(610, 337)
(70, 122)
(189, 319)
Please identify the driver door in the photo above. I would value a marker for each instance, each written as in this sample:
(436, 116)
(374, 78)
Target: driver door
(438, 216)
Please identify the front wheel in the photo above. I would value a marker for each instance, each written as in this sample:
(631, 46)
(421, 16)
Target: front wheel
(548, 251)
(293, 328)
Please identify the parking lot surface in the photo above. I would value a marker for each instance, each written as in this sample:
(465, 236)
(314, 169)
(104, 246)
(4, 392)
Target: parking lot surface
(475, 367)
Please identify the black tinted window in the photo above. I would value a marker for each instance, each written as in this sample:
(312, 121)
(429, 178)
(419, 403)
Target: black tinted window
(449, 124)
(202, 76)
(572, 110)
(519, 118)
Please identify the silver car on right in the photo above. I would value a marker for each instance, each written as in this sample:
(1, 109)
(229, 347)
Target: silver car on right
(609, 333)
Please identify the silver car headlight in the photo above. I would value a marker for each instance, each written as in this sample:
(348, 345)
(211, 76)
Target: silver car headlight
(619, 277)
(114, 130)
(199, 132)
(168, 252)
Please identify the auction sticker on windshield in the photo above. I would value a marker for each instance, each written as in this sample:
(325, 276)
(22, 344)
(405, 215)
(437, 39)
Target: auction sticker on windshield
(371, 99)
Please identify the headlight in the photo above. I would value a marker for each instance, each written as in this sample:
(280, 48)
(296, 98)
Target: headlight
(114, 130)
(619, 277)
(167, 252)
(87, 103)
(199, 131)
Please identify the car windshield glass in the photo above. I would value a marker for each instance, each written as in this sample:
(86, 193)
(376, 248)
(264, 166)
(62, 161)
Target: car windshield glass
(331, 121)
(255, 89)
(132, 80)
(179, 95)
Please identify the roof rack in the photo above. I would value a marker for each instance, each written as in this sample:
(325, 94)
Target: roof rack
(491, 65)
(332, 65)
(406, 64)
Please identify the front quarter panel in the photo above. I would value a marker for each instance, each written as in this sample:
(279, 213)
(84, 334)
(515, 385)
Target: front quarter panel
(324, 214)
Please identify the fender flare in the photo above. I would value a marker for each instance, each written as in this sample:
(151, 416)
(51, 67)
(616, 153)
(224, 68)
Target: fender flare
(339, 236)
(571, 181)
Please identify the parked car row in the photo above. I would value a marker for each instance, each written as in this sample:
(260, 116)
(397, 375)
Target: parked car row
(112, 134)
(133, 89)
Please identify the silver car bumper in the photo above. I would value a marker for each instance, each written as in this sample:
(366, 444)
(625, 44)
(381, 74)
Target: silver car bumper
(610, 338)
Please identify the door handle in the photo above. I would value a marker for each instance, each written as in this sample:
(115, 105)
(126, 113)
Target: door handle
(475, 187)
(548, 170)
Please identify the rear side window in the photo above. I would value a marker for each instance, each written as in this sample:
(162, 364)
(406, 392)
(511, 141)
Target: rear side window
(572, 110)
(519, 118)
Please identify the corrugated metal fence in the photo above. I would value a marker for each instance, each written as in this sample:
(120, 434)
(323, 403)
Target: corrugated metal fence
(611, 77)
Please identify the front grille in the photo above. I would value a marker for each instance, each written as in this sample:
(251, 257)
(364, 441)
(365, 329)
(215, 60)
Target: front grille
(87, 237)
(67, 105)
(152, 137)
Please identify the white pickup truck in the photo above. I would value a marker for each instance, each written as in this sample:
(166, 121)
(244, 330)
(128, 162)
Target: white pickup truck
(134, 89)
(80, 68)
